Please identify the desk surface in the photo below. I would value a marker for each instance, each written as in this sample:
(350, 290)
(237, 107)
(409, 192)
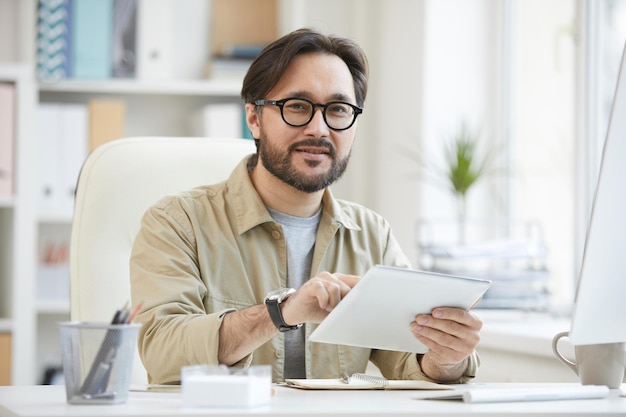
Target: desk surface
(49, 401)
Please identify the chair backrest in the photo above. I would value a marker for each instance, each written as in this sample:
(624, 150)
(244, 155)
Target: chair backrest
(118, 182)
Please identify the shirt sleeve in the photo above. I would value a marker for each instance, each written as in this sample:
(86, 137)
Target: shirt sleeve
(399, 365)
(176, 328)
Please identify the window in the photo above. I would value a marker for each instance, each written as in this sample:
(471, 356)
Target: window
(564, 61)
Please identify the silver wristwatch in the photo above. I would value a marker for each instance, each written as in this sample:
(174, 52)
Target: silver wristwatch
(273, 300)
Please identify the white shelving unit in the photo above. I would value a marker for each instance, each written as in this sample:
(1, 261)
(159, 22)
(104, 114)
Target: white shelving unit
(17, 233)
(222, 87)
(153, 108)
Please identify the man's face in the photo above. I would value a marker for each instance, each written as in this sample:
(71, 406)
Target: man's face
(310, 157)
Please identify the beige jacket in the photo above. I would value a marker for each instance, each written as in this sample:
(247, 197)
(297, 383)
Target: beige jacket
(215, 248)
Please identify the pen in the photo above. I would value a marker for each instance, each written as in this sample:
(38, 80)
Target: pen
(118, 318)
(345, 378)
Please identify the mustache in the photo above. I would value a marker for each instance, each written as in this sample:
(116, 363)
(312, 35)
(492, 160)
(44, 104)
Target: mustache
(319, 143)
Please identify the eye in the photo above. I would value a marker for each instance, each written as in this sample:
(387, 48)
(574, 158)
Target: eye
(339, 109)
(297, 106)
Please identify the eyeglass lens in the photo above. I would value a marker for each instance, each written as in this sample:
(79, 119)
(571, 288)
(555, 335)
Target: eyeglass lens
(299, 112)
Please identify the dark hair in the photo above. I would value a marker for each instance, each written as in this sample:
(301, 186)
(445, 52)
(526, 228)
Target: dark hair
(267, 69)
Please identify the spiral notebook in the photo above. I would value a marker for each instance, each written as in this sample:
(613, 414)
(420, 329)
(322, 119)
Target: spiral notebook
(378, 311)
(359, 381)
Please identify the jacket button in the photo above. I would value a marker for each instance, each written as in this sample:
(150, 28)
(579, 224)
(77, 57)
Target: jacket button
(276, 234)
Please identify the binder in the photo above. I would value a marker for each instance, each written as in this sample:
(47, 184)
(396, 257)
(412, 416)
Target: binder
(5, 358)
(48, 120)
(172, 39)
(154, 48)
(7, 139)
(124, 38)
(61, 147)
(72, 151)
(106, 121)
(54, 39)
(221, 120)
(92, 25)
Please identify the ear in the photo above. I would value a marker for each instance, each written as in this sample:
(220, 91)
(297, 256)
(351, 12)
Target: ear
(252, 119)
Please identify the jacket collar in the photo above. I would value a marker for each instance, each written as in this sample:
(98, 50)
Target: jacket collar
(251, 212)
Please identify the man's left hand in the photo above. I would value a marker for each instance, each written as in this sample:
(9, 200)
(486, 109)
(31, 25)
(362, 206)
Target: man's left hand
(451, 335)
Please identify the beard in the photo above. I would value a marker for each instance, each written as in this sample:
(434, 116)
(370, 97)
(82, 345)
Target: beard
(279, 164)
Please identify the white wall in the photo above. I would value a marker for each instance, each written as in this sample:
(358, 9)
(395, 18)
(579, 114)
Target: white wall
(408, 42)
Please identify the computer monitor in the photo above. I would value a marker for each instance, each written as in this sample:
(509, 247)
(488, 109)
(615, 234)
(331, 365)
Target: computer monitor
(600, 303)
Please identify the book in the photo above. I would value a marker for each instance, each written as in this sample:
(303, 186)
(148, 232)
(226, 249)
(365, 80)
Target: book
(54, 39)
(124, 38)
(360, 381)
(5, 358)
(92, 26)
(106, 121)
(7, 139)
(228, 68)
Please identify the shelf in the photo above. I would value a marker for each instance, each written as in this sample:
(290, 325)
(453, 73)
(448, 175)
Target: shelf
(7, 202)
(61, 219)
(53, 306)
(214, 87)
(6, 325)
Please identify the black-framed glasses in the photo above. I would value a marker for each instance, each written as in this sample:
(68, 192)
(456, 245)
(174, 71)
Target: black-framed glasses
(297, 112)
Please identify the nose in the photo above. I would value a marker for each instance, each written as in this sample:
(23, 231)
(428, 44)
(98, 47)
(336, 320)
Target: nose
(318, 125)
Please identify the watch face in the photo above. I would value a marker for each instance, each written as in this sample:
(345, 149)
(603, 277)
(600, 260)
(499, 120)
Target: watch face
(279, 295)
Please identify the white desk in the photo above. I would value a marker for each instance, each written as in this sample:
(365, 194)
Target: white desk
(49, 401)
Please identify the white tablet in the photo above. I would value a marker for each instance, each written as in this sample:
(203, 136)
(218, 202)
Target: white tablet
(378, 311)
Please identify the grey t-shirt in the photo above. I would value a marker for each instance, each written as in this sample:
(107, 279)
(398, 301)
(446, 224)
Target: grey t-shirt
(300, 235)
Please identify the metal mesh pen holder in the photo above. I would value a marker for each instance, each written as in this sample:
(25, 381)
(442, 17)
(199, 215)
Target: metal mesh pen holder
(97, 361)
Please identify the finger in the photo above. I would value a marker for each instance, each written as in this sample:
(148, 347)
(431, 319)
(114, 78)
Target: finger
(327, 291)
(442, 326)
(343, 281)
(449, 348)
(445, 353)
(450, 327)
(446, 333)
(349, 280)
(457, 315)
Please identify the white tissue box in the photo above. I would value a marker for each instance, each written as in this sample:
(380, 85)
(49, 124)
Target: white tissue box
(221, 386)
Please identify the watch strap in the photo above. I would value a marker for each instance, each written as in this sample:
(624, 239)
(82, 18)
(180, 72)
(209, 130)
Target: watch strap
(273, 308)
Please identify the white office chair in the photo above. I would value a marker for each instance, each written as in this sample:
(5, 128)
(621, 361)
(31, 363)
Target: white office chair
(118, 182)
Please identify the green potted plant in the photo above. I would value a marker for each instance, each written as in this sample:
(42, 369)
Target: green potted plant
(464, 165)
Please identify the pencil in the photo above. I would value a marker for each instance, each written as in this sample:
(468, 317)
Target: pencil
(134, 313)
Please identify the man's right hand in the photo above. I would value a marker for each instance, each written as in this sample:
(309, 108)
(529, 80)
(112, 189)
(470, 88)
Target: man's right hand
(312, 302)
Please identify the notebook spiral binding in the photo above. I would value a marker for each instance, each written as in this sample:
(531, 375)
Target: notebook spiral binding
(372, 379)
